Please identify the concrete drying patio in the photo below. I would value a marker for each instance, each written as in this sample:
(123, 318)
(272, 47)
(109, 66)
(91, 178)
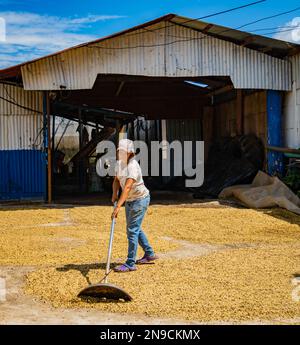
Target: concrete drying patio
(219, 264)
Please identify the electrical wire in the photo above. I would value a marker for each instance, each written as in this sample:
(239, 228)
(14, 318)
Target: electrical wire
(279, 31)
(7, 93)
(269, 17)
(207, 16)
(195, 38)
(277, 28)
(182, 23)
(21, 106)
(275, 31)
(199, 18)
(36, 138)
(14, 102)
(260, 20)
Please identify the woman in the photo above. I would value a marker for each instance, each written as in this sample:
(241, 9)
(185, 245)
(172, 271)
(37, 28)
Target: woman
(136, 198)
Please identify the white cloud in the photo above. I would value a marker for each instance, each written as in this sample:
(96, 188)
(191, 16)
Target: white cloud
(290, 31)
(31, 35)
(93, 18)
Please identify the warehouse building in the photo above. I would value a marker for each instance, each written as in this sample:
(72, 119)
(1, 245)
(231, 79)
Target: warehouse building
(172, 78)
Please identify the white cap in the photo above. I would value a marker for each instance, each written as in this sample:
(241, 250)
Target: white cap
(126, 145)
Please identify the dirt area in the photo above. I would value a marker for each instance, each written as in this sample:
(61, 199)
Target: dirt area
(218, 264)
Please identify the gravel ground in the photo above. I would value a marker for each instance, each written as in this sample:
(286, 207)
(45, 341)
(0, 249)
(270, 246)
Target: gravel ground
(217, 264)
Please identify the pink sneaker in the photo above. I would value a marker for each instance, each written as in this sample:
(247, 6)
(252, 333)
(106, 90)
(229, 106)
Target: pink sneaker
(124, 268)
(147, 259)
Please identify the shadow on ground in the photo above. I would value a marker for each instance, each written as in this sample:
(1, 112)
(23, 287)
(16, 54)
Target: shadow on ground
(282, 214)
(84, 269)
(99, 292)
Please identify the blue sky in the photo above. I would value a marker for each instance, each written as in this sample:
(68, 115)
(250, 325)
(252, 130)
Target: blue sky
(36, 28)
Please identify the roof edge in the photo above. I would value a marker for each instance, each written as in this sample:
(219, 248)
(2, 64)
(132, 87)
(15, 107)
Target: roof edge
(15, 71)
(11, 69)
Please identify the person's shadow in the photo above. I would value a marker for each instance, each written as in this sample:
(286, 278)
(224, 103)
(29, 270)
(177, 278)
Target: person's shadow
(116, 295)
(84, 269)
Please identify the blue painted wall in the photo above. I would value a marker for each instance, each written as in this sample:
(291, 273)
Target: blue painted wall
(274, 132)
(22, 175)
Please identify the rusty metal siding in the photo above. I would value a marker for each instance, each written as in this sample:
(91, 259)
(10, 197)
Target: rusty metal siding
(172, 50)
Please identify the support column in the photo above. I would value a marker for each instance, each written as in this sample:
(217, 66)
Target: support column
(53, 148)
(49, 150)
(47, 145)
(274, 132)
(207, 129)
(80, 163)
(239, 112)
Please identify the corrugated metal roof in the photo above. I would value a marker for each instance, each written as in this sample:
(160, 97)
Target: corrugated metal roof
(168, 46)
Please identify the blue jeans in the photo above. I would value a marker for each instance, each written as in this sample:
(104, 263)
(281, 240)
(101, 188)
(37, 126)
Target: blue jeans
(135, 212)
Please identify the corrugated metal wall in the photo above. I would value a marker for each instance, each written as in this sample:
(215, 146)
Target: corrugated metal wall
(20, 126)
(291, 121)
(179, 129)
(183, 130)
(22, 175)
(22, 160)
(296, 69)
(208, 56)
(174, 52)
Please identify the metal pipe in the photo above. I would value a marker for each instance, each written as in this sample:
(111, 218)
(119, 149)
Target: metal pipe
(283, 149)
(111, 237)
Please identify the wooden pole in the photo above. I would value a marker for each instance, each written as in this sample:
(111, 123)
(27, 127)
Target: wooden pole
(239, 112)
(208, 128)
(53, 148)
(80, 163)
